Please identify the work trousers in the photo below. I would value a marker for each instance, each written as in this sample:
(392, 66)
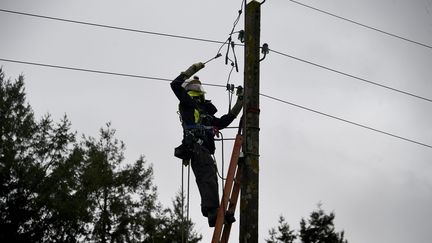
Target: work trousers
(205, 171)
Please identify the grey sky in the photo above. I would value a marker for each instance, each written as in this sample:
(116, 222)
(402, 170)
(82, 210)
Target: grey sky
(379, 187)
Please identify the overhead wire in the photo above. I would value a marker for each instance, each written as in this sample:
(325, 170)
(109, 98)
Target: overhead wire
(223, 86)
(346, 121)
(97, 71)
(362, 25)
(224, 43)
(112, 27)
(352, 76)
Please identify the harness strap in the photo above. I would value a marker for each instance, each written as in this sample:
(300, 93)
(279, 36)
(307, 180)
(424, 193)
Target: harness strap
(197, 127)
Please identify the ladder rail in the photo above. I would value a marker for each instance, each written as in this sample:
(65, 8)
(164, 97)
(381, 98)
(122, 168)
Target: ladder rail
(225, 201)
(232, 202)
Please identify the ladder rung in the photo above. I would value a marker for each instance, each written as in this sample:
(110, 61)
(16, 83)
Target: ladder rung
(230, 194)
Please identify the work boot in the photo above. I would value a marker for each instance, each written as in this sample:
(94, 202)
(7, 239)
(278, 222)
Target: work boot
(212, 216)
(229, 218)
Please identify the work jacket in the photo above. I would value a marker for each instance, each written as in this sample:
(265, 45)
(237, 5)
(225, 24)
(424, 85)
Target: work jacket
(197, 115)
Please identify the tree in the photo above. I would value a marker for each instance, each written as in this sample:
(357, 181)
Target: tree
(28, 150)
(56, 189)
(177, 226)
(284, 233)
(123, 199)
(319, 228)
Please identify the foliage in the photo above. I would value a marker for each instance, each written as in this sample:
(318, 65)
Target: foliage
(54, 188)
(319, 228)
(179, 227)
(284, 233)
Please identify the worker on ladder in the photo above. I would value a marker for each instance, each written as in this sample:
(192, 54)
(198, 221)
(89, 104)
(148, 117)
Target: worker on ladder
(199, 128)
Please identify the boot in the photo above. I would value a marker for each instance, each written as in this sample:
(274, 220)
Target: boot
(212, 216)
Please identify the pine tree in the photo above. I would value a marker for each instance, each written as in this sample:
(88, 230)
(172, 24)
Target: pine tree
(177, 226)
(28, 151)
(283, 235)
(122, 198)
(55, 189)
(319, 228)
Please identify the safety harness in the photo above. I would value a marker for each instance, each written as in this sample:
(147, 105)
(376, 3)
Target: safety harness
(197, 132)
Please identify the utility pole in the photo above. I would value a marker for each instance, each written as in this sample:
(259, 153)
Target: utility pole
(251, 110)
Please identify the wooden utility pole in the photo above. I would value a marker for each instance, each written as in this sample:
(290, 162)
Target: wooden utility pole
(251, 110)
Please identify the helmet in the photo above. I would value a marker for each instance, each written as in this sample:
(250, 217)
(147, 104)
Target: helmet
(193, 85)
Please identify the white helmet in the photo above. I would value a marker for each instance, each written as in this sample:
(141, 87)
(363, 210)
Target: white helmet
(193, 85)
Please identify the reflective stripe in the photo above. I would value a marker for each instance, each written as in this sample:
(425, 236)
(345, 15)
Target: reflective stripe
(197, 116)
(193, 93)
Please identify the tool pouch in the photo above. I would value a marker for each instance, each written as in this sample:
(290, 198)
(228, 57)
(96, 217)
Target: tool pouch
(182, 152)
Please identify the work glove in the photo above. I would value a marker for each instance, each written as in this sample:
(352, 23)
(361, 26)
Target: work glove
(192, 70)
(240, 92)
(239, 103)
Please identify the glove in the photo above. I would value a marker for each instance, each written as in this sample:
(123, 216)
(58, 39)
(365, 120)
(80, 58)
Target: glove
(237, 107)
(192, 70)
(240, 92)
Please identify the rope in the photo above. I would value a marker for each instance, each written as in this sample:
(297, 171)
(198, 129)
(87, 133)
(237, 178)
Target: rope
(182, 206)
(185, 222)
(223, 161)
(187, 207)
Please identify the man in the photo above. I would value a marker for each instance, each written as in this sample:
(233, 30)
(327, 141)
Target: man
(199, 127)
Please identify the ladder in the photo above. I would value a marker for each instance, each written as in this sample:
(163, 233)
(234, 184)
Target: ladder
(230, 195)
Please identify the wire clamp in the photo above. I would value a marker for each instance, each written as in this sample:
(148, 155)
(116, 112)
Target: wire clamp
(241, 36)
(264, 50)
(230, 87)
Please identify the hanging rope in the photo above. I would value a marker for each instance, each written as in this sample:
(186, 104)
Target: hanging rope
(182, 206)
(187, 205)
(185, 221)
(223, 161)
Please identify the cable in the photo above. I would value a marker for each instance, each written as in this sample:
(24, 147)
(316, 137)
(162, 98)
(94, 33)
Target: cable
(216, 85)
(362, 25)
(346, 121)
(204, 40)
(352, 76)
(97, 71)
(111, 27)
(185, 231)
(182, 206)
(188, 202)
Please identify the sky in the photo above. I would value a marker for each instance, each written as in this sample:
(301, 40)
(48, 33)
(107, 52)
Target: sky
(379, 186)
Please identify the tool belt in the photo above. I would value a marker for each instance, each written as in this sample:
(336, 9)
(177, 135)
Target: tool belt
(191, 135)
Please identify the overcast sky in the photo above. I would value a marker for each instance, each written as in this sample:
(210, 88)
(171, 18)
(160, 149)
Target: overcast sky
(380, 187)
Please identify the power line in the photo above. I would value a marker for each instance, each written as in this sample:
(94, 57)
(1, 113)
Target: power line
(112, 27)
(346, 121)
(215, 85)
(363, 25)
(217, 42)
(98, 71)
(352, 76)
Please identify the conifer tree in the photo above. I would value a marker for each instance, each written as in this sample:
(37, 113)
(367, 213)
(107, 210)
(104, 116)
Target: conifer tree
(56, 189)
(178, 226)
(318, 228)
(283, 234)
(29, 150)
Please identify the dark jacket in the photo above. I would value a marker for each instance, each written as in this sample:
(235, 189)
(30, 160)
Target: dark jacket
(207, 110)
